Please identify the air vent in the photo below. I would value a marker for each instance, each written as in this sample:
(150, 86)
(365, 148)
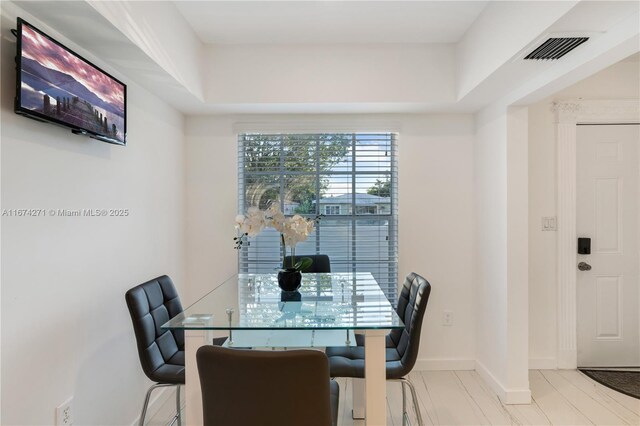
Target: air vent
(556, 47)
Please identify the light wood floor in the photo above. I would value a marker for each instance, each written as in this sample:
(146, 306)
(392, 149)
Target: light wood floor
(562, 397)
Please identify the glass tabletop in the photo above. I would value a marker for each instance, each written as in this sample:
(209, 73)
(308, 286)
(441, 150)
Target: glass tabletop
(330, 301)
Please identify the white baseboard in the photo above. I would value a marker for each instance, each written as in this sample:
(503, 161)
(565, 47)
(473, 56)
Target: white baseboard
(158, 398)
(494, 384)
(517, 396)
(567, 359)
(444, 364)
(507, 396)
(543, 364)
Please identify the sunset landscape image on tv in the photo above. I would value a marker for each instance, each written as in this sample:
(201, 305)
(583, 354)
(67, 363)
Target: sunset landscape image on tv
(58, 84)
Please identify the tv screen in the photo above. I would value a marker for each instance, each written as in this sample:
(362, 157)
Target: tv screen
(57, 85)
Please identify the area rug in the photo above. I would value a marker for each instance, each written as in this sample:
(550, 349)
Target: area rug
(626, 382)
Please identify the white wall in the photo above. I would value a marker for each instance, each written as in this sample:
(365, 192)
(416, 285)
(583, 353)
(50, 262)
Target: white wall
(619, 81)
(501, 251)
(491, 244)
(517, 256)
(65, 326)
(542, 245)
(435, 207)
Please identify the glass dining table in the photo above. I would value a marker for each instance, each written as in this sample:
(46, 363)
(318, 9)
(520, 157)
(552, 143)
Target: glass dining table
(251, 311)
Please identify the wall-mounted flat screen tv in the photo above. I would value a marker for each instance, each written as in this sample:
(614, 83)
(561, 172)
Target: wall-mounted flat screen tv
(57, 85)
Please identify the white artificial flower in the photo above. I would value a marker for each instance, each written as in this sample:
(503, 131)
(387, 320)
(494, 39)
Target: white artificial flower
(239, 222)
(294, 230)
(275, 218)
(254, 222)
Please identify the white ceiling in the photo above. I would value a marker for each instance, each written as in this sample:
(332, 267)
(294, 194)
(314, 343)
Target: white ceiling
(320, 22)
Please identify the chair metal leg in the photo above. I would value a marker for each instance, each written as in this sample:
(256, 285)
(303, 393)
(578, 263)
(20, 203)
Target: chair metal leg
(177, 418)
(146, 400)
(414, 396)
(404, 381)
(178, 413)
(404, 404)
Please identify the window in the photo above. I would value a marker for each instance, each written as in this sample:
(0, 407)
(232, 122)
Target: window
(366, 210)
(350, 178)
(329, 210)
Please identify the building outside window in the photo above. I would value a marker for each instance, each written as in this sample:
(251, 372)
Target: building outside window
(349, 178)
(331, 210)
(366, 209)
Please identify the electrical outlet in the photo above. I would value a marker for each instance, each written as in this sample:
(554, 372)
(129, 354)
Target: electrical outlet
(64, 413)
(447, 318)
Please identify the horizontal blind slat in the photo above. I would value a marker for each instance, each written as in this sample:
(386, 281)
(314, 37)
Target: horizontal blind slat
(351, 178)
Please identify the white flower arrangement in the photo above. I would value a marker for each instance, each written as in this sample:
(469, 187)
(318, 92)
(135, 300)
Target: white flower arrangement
(293, 230)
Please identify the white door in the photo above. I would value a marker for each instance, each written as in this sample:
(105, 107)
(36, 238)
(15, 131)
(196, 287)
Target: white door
(607, 212)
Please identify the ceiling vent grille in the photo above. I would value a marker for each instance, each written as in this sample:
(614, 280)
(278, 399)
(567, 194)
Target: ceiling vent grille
(556, 47)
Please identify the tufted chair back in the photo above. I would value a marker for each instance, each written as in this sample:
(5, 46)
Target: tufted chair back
(412, 304)
(321, 262)
(284, 388)
(161, 352)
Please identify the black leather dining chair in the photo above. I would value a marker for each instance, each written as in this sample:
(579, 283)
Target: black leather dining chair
(321, 263)
(401, 345)
(266, 388)
(161, 352)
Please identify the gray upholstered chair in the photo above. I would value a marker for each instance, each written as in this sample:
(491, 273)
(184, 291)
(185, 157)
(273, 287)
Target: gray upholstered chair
(267, 388)
(161, 352)
(401, 345)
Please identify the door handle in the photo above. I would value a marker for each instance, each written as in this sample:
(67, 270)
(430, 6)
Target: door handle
(584, 266)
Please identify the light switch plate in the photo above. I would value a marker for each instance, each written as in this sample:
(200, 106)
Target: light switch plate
(549, 223)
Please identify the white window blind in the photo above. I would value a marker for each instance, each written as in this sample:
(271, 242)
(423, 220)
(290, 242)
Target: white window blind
(349, 178)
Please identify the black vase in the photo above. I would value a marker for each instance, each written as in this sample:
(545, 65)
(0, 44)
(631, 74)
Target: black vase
(289, 280)
(290, 296)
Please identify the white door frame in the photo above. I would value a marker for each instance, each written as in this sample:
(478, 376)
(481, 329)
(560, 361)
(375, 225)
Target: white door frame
(568, 114)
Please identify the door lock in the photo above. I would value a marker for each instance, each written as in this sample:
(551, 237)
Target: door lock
(584, 266)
